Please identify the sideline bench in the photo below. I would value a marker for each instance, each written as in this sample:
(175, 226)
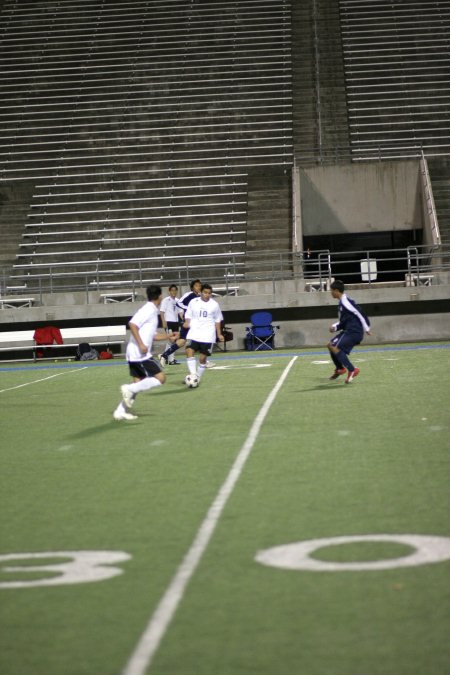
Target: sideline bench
(313, 285)
(221, 291)
(419, 279)
(96, 336)
(118, 296)
(16, 303)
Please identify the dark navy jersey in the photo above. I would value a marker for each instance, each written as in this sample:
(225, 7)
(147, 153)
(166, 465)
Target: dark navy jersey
(351, 317)
(185, 300)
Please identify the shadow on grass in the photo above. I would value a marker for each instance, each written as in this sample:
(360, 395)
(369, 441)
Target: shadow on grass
(170, 392)
(326, 386)
(111, 425)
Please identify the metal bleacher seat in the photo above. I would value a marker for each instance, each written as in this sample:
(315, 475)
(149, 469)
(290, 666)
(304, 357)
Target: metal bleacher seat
(141, 144)
(396, 65)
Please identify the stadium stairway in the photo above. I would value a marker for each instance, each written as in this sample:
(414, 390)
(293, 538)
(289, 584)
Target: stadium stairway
(440, 181)
(320, 118)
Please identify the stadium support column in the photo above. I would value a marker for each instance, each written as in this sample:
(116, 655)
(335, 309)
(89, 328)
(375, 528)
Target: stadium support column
(297, 229)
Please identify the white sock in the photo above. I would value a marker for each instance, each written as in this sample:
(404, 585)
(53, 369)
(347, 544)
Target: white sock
(143, 385)
(121, 408)
(201, 369)
(192, 365)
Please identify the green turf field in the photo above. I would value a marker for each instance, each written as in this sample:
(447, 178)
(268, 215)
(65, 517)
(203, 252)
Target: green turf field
(265, 453)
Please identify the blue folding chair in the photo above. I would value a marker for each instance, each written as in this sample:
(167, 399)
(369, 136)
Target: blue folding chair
(261, 334)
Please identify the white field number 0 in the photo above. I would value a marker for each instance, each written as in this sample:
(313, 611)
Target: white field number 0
(297, 556)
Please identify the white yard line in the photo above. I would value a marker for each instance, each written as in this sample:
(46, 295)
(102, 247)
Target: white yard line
(160, 620)
(43, 379)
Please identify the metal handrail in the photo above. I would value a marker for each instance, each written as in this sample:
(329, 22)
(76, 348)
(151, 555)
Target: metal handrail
(429, 198)
(392, 266)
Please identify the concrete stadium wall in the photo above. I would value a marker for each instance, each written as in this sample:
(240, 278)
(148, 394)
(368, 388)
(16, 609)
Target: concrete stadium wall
(315, 333)
(398, 314)
(372, 197)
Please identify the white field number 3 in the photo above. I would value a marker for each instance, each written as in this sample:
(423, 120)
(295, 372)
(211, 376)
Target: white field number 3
(76, 567)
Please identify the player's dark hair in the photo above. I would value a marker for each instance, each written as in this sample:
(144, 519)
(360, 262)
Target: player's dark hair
(173, 286)
(153, 292)
(207, 286)
(192, 284)
(337, 285)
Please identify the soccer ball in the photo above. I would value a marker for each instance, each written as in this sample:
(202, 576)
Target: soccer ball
(191, 381)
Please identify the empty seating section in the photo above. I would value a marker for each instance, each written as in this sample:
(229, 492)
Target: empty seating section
(138, 123)
(177, 217)
(397, 64)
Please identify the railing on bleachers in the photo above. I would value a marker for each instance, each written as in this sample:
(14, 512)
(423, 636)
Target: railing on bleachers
(411, 266)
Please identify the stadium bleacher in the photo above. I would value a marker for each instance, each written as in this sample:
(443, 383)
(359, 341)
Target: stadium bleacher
(150, 142)
(397, 60)
(139, 146)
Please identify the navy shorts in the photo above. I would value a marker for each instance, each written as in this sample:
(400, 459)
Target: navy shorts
(143, 369)
(202, 347)
(346, 341)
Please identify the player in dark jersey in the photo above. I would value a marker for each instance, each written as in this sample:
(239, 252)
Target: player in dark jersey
(352, 325)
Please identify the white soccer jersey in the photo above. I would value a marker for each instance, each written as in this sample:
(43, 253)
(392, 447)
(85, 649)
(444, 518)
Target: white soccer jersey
(203, 317)
(146, 319)
(170, 308)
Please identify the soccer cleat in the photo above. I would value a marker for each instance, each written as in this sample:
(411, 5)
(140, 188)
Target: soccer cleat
(337, 372)
(162, 360)
(174, 363)
(122, 415)
(351, 375)
(127, 395)
(210, 364)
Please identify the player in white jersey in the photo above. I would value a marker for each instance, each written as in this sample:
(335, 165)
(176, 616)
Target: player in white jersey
(203, 318)
(144, 369)
(194, 292)
(183, 303)
(171, 314)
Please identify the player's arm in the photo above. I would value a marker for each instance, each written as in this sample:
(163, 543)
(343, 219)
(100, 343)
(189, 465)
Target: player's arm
(187, 318)
(163, 336)
(366, 319)
(335, 327)
(162, 315)
(354, 310)
(180, 307)
(183, 304)
(220, 336)
(134, 330)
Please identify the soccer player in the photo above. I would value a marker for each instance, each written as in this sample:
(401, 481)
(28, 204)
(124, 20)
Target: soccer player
(171, 315)
(352, 325)
(195, 288)
(144, 369)
(203, 321)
